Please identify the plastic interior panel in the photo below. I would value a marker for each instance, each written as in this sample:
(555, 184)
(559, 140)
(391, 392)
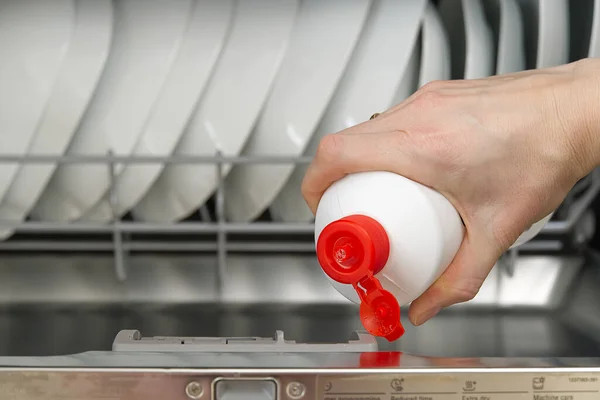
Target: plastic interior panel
(132, 340)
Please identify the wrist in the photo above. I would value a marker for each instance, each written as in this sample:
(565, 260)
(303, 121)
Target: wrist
(583, 103)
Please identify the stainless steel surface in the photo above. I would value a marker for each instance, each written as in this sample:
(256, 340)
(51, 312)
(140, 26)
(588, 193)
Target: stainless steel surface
(76, 312)
(296, 280)
(58, 346)
(27, 332)
(450, 379)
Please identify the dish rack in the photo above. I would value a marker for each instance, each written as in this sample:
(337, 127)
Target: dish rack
(208, 231)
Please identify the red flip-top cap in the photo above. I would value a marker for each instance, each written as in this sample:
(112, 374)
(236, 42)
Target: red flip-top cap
(352, 250)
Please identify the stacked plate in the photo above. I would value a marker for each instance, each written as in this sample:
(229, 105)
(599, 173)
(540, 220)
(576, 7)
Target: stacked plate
(251, 78)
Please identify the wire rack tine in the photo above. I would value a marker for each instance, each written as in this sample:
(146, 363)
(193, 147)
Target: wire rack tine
(113, 201)
(204, 213)
(508, 261)
(137, 159)
(263, 246)
(221, 232)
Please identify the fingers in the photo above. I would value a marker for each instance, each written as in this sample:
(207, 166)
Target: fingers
(351, 150)
(342, 154)
(459, 283)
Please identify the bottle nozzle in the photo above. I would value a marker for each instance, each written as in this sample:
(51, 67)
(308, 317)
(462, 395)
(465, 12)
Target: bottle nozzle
(351, 251)
(345, 253)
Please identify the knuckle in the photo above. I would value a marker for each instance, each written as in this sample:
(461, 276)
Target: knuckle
(306, 187)
(465, 290)
(331, 148)
(432, 86)
(504, 238)
(398, 139)
(504, 229)
(429, 98)
(462, 296)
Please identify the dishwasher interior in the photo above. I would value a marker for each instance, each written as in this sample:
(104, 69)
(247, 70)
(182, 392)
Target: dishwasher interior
(207, 298)
(549, 308)
(539, 301)
(207, 278)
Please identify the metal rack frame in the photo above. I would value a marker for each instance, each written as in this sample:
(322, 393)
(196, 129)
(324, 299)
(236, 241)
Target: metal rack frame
(118, 228)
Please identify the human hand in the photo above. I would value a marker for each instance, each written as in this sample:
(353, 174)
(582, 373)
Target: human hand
(504, 150)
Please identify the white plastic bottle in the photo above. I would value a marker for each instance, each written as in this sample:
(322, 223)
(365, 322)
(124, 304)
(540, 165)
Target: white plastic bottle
(383, 239)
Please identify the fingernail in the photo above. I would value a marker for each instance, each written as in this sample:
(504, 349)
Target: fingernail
(426, 315)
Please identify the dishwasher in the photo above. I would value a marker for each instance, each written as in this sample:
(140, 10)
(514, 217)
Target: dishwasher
(243, 311)
(210, 309)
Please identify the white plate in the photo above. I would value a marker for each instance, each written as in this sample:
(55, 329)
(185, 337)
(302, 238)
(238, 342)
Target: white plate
(228, 108)
(435, 48)
(71, 93)
(185, 83)
(34, 39)
(410, 77)
(370, 83)
(322, 41)
(145, 42)
(507, 23)
(546, 25)
(553, 36)
(471, 39)
(594, 50)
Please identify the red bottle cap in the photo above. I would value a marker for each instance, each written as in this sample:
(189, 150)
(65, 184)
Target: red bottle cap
(352, 250)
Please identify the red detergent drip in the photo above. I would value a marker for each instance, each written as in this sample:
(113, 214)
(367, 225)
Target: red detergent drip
(352, 250)
(380, 359)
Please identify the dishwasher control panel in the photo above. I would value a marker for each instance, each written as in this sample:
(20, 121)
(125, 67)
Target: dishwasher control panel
(201, 384)
(489, 385)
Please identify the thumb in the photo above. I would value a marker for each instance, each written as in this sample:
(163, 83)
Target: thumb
(459, 283)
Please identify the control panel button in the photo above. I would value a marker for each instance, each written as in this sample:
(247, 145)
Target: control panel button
(246, 390)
